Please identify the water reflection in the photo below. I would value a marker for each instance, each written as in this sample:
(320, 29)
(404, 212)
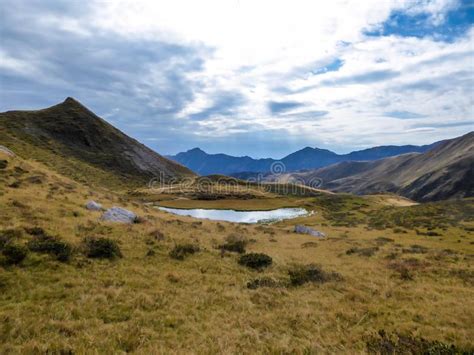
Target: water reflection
(239, 216)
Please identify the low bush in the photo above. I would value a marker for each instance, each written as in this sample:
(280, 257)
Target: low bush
(263, 282)
(235, 243)
(43, 243)
(301, 274)
(255, 261)
(35, 231)
(139, 220)
(309, 245)
(157, 235)
(405, 274)
(180, 251)
(384, 240)
(101, 248)
(7, 235)
(14, 254)
(410, 265)
(383, 343)
(3, 164)
(415, 249)
(362, 251)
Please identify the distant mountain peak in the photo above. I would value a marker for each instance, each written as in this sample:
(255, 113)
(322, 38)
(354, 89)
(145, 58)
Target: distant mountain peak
(70, 101)
(73, 131)
(196, 150)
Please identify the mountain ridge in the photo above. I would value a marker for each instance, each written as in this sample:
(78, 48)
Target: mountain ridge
(69, 133)
(444, 172)
(306, 158)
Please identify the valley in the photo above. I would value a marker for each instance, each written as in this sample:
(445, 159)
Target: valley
(390, 271)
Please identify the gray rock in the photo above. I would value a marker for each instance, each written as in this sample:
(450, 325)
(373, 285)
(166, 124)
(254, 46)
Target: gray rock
(306, 230)
(93, 206)
(120, 215)
(7, 151)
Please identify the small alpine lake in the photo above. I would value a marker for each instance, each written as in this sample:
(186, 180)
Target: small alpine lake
(239, 216)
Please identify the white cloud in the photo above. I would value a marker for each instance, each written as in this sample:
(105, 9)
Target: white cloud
(260, 48)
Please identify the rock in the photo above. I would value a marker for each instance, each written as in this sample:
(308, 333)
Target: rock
(120, 215)
(306, 230)
(6, 151)
(93, 206)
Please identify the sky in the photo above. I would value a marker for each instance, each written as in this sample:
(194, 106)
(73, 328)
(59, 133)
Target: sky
(242, 77)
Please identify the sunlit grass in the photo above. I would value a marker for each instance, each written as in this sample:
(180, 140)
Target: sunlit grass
(150, 302)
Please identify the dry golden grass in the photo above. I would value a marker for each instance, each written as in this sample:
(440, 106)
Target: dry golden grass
(147, 302)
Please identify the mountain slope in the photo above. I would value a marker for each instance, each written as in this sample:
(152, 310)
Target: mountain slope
(306, 158)
(208, 164)
(446, 171)
(72, 139)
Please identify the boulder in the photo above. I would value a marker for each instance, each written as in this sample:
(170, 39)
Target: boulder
(93, 206)
(120, 215)
(6, 151)
(306, 230)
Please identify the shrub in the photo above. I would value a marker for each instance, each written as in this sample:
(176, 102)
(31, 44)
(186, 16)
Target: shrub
(383, 343)
(362, 251)
(256, 261)
(14, 254)
(101, 248)
(15, 184)
(383, 240)
(139, 220)
(405, 274)
(7, 235)
(301, 274)
(3, 164)
(35, 231)
(235, 243)
(415, 249)
(262, 282)
(43, 243)
(309, 245)
(157, 235)
(180, 251)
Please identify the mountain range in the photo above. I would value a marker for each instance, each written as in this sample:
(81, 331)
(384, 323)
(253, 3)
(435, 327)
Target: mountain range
(77, 143)
(446, 171)
(306, 158)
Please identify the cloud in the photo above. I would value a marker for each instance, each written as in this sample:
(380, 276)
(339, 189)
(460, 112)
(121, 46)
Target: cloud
(178, 75)
(364, 78)
(223, 105)
(403, 115)
(445, 125)
(280, 107)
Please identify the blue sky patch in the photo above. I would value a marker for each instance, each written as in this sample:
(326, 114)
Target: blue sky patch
(335, 65)
(283, 106)
(456, 23)
(403, 115)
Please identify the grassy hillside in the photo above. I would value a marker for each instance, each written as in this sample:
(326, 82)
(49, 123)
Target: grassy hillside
(446, 171)
(390, 275)
(74, 141)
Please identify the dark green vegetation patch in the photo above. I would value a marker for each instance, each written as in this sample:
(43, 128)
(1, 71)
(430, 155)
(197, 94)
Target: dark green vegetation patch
(255, 261)
(301, 274)
(180, 251)
(14, 254)
(101, 248)
(383, 343)
(235, 243)
(47, 244)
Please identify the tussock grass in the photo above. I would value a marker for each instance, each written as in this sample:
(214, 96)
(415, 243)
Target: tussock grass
(155, 304)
